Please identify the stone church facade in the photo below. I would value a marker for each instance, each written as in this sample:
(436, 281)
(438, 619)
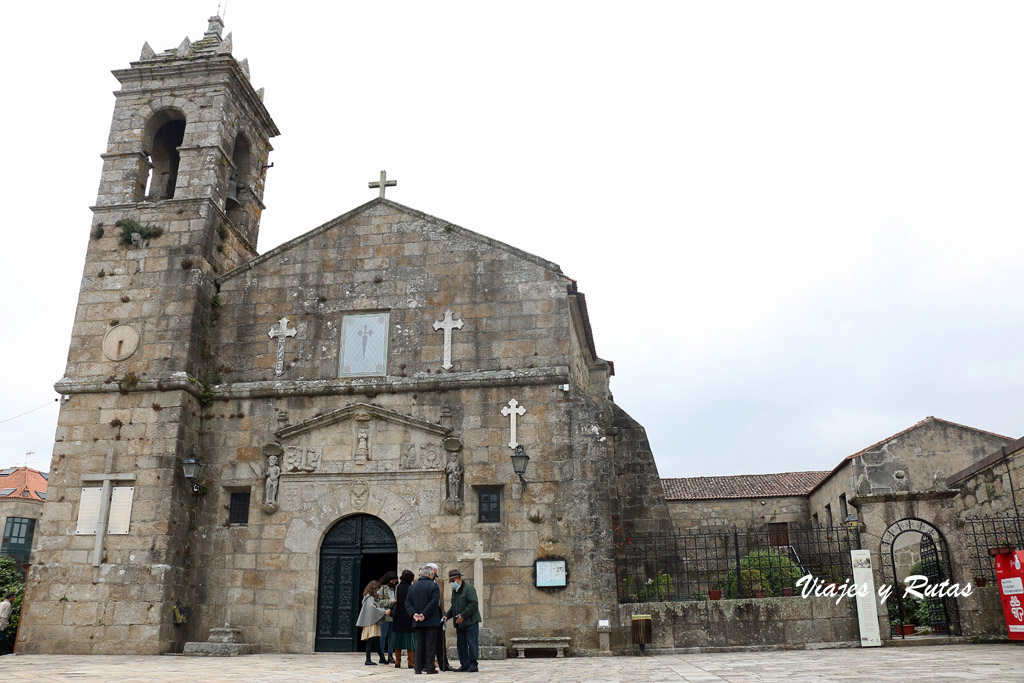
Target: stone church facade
(352, 400)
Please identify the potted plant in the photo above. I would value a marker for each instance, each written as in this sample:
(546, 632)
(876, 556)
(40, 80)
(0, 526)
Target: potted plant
(980, 581)
(787, 591)
(715, 593)
(1002, 547)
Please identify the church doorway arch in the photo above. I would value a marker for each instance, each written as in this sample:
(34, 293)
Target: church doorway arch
(356, 550)
(914, 546)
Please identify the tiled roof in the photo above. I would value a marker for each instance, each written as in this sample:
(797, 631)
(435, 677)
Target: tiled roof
(22, 479)
(742, 486)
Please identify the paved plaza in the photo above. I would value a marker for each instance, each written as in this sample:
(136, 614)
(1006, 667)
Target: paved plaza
(990, 663)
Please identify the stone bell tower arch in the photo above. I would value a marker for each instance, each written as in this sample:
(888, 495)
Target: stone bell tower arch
(179, 203)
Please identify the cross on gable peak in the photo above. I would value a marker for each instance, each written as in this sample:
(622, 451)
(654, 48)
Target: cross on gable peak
(383, 183)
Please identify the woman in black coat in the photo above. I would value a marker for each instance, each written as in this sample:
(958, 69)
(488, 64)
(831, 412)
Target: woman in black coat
(401, 627)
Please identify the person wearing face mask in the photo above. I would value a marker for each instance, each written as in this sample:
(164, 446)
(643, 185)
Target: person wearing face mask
(465, 614)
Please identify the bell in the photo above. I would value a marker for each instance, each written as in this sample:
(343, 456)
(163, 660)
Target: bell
(232, 196)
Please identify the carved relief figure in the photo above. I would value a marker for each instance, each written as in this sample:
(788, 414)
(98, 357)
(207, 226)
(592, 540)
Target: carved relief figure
(301, 459)
(410, 461)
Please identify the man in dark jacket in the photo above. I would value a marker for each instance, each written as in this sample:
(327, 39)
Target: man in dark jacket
(424, 604)
(465, 612)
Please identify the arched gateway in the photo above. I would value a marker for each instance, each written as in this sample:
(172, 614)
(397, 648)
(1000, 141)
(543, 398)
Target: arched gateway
(913, 546)
(355, 551)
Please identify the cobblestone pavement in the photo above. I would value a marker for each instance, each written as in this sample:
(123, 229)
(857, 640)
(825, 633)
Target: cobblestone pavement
(991, 663)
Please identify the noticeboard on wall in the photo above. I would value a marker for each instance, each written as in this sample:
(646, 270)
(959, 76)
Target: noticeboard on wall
(550, 573)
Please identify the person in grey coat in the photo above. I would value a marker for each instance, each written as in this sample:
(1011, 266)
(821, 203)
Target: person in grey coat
(370, 616)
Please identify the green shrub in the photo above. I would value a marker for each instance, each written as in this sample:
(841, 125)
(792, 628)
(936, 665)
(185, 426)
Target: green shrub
(655, 589)
(11, 581)
(128, 226)
(771, 569)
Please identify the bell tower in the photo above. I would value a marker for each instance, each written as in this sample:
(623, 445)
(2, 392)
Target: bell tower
(179, 203)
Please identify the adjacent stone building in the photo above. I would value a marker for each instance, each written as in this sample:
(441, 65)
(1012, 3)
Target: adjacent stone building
(22, 494)
(353, 400)
(742, 501)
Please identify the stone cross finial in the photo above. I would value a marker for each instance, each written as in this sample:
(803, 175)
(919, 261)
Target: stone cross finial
(383, 183)
(215, 27)
(511, 410)
(281, 332)
(108, 477)
(478, 556)
(448, 323)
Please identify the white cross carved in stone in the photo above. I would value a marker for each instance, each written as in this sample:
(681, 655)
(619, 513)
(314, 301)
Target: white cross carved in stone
(448, 324)
(383, 184)
(478, 556)
(107, 478)
(281, 332)
(511, 410)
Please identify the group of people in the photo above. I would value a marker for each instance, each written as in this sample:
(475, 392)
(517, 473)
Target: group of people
(397, 615)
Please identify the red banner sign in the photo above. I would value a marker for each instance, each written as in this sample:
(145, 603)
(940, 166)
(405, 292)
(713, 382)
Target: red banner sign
(1010, 578)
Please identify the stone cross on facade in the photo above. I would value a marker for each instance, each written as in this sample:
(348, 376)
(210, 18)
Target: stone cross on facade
(108, 477)
(478, 556)
(511, 410)
(281, 332)
(448, 324)
(384, 183)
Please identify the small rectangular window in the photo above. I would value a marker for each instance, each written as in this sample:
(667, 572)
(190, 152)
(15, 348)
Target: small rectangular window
(489, 506)
(844, 510)
(238, 509)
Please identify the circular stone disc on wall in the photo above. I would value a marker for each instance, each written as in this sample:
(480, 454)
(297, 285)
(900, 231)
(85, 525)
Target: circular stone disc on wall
(120, 342)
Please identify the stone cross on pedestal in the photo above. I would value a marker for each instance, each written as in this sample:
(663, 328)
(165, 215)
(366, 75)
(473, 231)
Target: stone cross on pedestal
(108, 477)
(448, 324)
(384, 183)
(281, 332)
(511, 410)
(478, 556)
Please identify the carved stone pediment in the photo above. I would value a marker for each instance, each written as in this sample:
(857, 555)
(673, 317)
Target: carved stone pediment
(364, 438)
(362, 412)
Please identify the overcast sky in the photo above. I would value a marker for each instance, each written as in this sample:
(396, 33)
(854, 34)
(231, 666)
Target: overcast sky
(798, 224)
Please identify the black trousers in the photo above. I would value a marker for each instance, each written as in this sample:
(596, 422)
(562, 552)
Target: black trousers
(426, 646)
(442, 649)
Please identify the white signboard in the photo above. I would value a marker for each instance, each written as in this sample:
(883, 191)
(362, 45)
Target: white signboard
(867, 608)
(1012, 586)
(550, 573)
(120, 510)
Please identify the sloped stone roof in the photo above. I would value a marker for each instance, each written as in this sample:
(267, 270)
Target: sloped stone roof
(742, 486)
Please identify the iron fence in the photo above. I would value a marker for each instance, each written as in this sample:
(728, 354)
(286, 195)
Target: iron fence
(732, 564)
(991, 532)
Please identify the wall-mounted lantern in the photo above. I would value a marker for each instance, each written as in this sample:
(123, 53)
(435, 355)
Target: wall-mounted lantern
(519, 462)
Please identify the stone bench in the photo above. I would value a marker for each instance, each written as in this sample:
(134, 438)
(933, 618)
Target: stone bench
(558, 643)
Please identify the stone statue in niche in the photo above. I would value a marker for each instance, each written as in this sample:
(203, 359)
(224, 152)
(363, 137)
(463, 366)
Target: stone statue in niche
(272, 475)
(454, 472)
(300, 459)
(362, 436)
(410, 460)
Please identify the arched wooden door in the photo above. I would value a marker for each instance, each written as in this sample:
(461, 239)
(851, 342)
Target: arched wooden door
(355, 551)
